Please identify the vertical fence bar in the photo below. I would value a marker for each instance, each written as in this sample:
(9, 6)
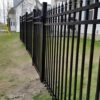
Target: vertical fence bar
(57, 51)
(72, 50)
(54, 39)
(20, 27)
(44, 41)
(26, 31)
(77, 53)
(63, 53)
(51, 52)
(33, 36)
(46, 59)
(91, 55)
(60, 58)
(26, 28)
(84, 53)
(97, 96)
(67, 53)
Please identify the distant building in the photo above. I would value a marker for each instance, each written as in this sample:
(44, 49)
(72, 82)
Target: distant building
(23, 6)
(20, 8)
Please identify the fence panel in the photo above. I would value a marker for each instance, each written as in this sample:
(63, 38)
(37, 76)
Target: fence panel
(39, 40)
(29, 33)
(66, 59)
(68, 62)
(20, 28)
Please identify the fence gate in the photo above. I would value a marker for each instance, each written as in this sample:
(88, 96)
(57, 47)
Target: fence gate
(62, 44)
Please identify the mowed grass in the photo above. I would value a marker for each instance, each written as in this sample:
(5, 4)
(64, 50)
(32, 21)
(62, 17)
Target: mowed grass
(45, 96)
(12, 57)
(86, 67)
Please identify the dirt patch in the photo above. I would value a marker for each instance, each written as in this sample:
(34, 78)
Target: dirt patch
(18, 78)
(27, 90)
(24, 71)
(19, 53)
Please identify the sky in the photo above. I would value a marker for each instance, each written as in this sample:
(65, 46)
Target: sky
(49, 1)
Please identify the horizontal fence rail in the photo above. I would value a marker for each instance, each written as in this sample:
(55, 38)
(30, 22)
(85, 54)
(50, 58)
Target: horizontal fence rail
(67, 61)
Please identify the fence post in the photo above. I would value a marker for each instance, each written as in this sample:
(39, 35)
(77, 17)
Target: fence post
(44, 11)
(26, 30)
(33, 37)
(20, 28)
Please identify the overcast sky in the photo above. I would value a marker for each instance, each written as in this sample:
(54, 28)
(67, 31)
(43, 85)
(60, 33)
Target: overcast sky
(49, 1)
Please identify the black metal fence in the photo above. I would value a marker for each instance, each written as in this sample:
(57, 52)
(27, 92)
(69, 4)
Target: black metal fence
(67, 61)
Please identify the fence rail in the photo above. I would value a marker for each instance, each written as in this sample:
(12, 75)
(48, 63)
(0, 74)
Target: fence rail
(66, 60)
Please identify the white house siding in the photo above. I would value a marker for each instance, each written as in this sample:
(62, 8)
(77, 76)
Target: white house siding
(28, 6)
(22, 8)
(18, 14)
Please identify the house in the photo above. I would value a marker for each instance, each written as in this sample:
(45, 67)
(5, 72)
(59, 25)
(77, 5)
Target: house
(21, 7)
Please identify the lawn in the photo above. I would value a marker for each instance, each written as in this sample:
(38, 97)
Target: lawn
(94, 71)
(45, 96)
(13, 57)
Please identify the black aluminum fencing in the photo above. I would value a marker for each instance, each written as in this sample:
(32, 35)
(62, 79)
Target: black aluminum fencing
(67, 61)
(38, 42)
(28, 37)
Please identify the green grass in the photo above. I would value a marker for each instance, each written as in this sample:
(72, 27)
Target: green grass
(12, 57)
(94, 71)
(45, 96)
